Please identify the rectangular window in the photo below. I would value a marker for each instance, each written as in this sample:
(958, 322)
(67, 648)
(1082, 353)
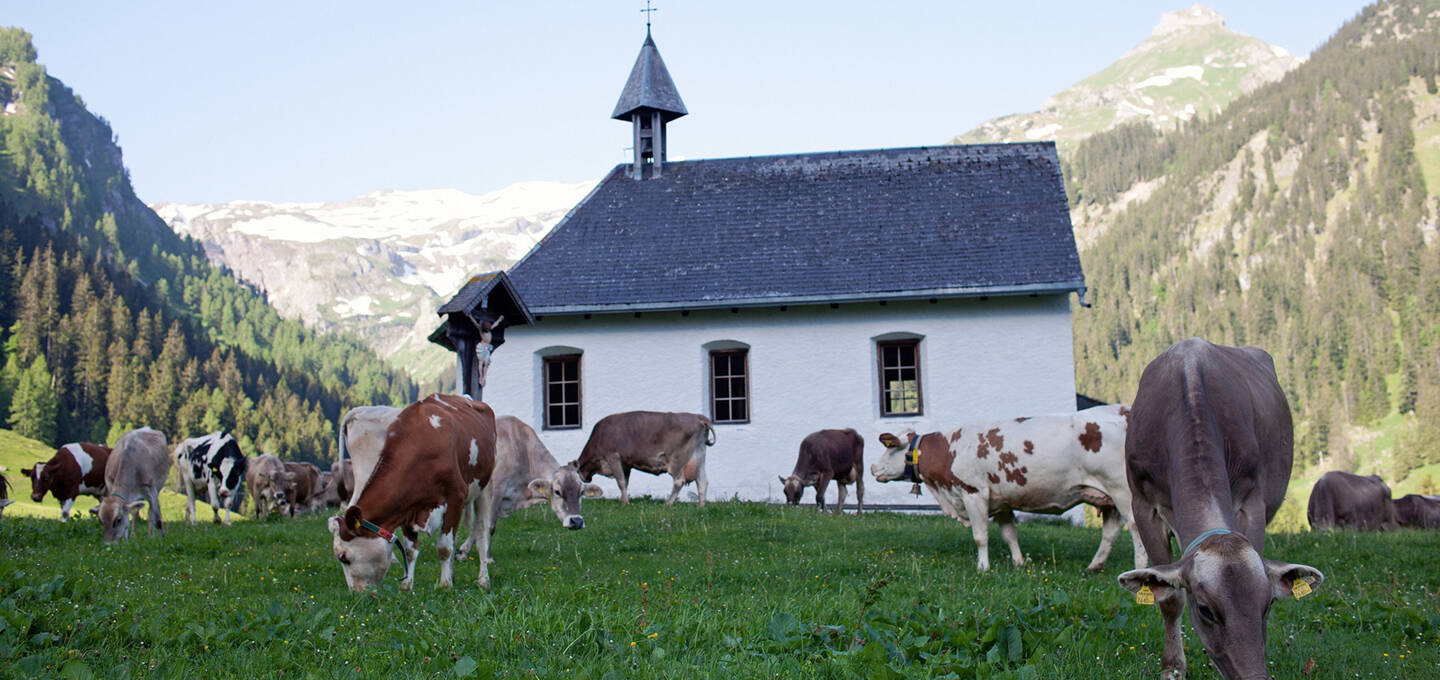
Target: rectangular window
(899, 377)
(562, 392)
(729, 387)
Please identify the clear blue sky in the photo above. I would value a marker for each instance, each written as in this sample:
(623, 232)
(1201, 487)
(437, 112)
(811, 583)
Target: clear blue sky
(311, 101)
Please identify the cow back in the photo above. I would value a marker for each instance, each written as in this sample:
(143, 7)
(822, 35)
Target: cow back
(306, 481)
(837, 452)
(1215, 418)
(140, 461)
(1345, 500)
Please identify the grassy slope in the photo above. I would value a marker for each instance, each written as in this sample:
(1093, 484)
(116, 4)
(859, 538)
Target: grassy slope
(18, 452)
(734, 589)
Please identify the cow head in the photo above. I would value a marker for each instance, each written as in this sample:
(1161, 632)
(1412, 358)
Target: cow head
(1229, 588)
(564, 490)
(4, 494)
(39, 481)
(794, 489)
(587, 468)
(363, 559)
(114, 515)
(895, 463)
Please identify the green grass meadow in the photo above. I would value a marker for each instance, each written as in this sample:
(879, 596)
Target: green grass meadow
(734, 589)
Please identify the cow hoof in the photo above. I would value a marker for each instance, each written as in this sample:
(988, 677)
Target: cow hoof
(1096, 568)
(406, 585)
(1172, 674)
(446, 585)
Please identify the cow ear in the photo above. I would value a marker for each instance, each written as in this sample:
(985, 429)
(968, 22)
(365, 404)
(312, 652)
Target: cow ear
(134, 505)
(890, 441)
(334, 525)
(1285, 578)
(352, 518)
(95, 510)
(593, 491)
(782, 480)
(1164, 581)
(28, 472)
(538, 488)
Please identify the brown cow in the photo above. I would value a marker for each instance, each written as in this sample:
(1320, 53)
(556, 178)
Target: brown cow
(305, 478)
(271, 486)
(76, 468)
(134, 476)
(1418, 512)
(1208, 457)
(1341, 500)
(827, 455)
(438, 454)
(651, 442)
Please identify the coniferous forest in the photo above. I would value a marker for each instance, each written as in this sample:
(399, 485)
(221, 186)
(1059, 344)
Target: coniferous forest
(110, 321)
(1302, 219)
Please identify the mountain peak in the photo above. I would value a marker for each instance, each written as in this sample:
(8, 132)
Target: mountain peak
(1180, 20)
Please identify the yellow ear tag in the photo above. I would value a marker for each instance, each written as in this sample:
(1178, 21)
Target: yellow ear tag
(1300, 588)
(1144, 596)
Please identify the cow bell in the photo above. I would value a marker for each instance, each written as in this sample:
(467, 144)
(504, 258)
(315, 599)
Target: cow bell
(914, 489)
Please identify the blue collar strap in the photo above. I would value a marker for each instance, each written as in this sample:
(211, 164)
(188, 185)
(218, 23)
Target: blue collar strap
(912, 460)
(1201, 537)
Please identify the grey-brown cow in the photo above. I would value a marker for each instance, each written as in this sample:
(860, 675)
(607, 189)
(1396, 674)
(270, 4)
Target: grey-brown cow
(1418, 512)
(827, 455)
(270, 484)
(1208, 456)
(1341, 500)
(305, 478)
(134, 476)
(651, 442)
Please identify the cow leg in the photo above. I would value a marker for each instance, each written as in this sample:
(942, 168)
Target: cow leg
(190, 504)
(1011, 537)
(1109, 528)
(840, 502)
(467, 520)
(1172, 659)
(214, 500)
(1123, 506)
(859, 477)
(65, 509)
(702, 481)
(408, 543)
(976, 506)
(445, 549)
(821, 483)
(485, 511)
(152, 512)
(621, 473)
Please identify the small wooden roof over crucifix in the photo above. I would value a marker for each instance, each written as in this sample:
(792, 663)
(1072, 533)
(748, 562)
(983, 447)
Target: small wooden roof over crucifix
(486, 298)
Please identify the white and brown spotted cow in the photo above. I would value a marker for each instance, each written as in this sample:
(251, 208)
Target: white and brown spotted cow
(76, 468)
(1208, 457)
(827, 455)
(134, 476)
(438, 455)
(211, 464)
(527, 474)
(649, 441)
(1043, 464)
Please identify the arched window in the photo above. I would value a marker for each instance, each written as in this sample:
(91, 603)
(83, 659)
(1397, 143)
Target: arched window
(729, 383)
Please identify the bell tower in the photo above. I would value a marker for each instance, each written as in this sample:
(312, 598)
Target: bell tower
(649, 102)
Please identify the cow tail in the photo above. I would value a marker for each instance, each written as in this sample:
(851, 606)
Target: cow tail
(344, 421)
(709, 432)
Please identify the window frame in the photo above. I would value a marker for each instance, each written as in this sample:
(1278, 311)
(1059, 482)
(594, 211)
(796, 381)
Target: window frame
(883, 392)
(743, 376)
(546, 405)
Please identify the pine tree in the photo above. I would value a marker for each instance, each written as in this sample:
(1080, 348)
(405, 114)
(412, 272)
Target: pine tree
(34, 408)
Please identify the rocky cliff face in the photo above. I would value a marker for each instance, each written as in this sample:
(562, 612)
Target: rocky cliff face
(378, 265)
(1190, 65)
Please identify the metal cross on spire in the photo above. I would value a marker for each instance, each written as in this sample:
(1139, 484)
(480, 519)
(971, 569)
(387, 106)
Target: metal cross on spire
(648, 9)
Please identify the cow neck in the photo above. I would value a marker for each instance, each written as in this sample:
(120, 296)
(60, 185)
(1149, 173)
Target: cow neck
(383, 499)
(1199, 484)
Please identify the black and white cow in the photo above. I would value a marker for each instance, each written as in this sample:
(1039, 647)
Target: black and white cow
(212, 463)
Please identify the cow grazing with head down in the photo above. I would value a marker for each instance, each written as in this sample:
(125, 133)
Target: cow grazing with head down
(134, 476)
(1044, 464)
(270, 484)
(76, 468)
(1341, 500)
(214, 465)
(652, 442)
(1418, 512)
(527, 474)
(438, 455)
(827, 455)
(326, 494)
(306, 480)
(1208, 457)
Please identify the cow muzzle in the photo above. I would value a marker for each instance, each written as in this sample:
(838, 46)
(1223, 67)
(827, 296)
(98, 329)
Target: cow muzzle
(575, 522)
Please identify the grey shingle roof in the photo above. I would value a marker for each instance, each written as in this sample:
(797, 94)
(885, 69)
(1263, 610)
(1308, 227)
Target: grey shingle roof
(950, 221)
(649, 86)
